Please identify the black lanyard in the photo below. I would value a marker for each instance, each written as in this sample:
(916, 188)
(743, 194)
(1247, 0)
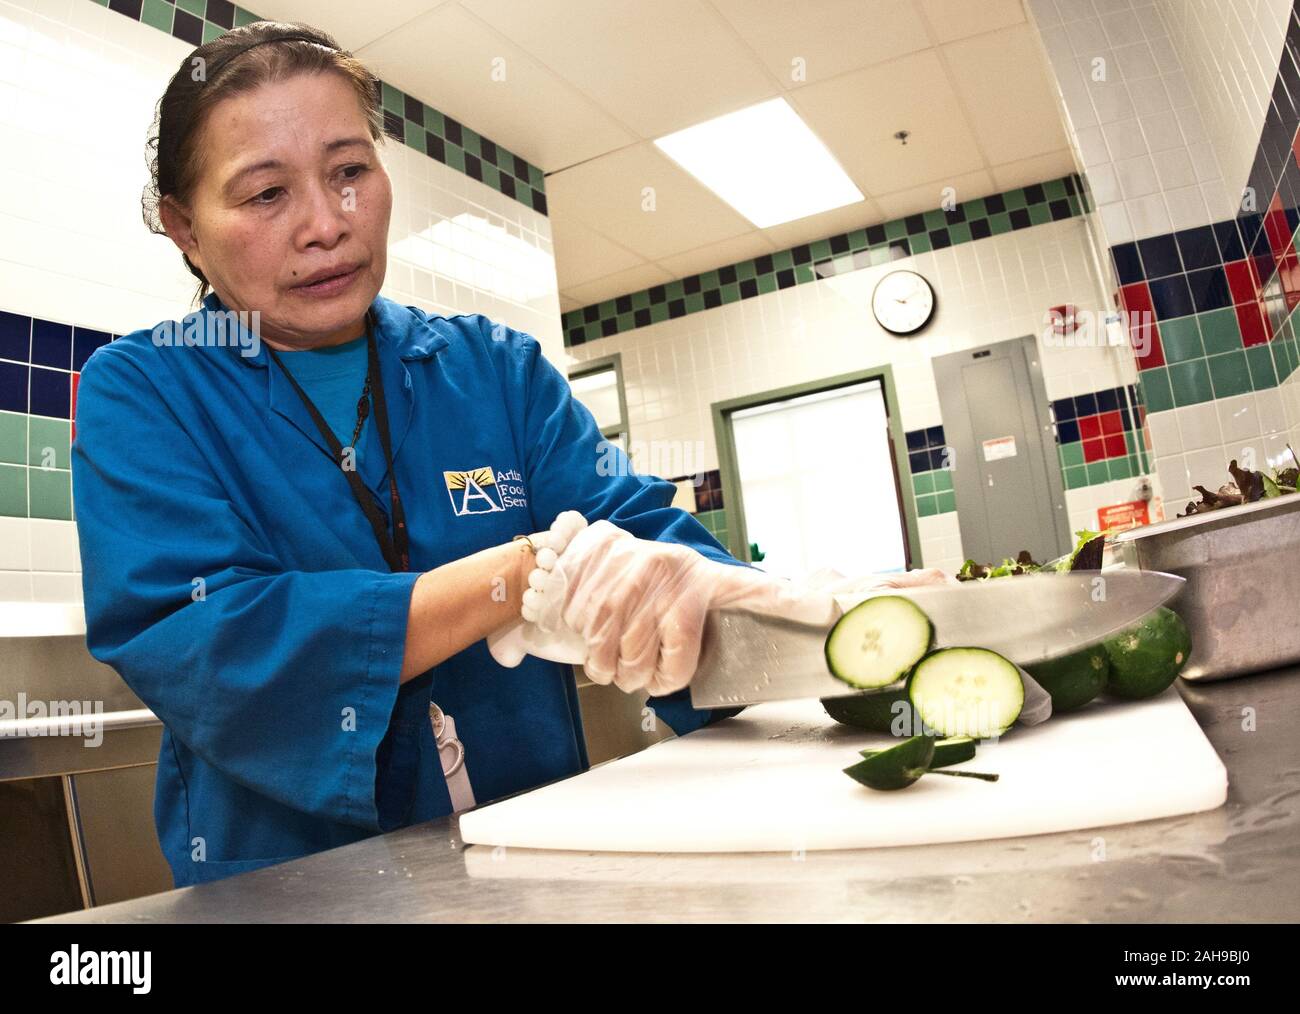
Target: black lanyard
(396, 548)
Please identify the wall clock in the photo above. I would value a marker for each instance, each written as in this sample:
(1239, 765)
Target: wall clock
(903, 302)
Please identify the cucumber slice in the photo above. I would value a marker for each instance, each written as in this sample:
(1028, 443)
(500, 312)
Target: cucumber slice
(877, 641)
(896, 767)
(966, 692)
(872, 710)
(946, 751)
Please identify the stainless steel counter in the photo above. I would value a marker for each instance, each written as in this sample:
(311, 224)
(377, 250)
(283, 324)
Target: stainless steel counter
(1240, 863)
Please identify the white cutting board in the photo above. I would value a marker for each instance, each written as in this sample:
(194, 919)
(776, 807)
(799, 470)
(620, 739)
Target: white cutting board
(771, 780)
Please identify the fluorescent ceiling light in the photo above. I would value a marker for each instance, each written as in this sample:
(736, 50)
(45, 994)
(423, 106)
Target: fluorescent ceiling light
(764, 162)
(470, 250)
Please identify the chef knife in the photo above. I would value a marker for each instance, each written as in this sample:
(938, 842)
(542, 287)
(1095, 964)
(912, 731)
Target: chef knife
(746, 658)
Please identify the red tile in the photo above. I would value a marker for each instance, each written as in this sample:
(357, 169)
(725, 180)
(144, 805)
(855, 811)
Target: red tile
(1111, 422)
(1094, 450)
(1145, 339)
(1254, 329)
(1276, 227)
(1288, 273)
(1135, 298)
(1242, 281)
(1089, 426)
(1115, 446)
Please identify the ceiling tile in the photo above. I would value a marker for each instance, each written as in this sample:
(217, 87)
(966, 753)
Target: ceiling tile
(857, 114)
(957, 19)
(827, 223)
(582, 254)
(353, 25)
(618, 284)
(655, 68)
(830, 37)
(531, 112)
(607, 194)
(1004, 87)
(916, 199)
(716, 255)
(1033, 170)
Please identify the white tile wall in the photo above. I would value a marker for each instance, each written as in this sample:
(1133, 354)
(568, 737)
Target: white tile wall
(987, 290)
(1229, 50)
(78, 84)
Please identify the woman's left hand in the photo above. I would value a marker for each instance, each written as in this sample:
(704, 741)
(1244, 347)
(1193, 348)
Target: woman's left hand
(640, 605)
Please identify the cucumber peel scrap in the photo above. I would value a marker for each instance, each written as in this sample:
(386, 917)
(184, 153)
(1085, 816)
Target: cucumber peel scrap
(899, 766)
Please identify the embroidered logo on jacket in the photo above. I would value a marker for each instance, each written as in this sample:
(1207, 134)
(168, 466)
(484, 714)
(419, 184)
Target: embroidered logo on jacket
(483, 491)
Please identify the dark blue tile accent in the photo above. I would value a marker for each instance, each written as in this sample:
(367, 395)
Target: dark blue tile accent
(51, 344)
(1198, 248)
(1128, 265)
(1230, 248)
(1125, 418)
(84, 342)
(916, 440)
(1067, 432)
(937, 456)
(1085, 404)
(15, 336)
(51, 393)
(1171, 297)
(1159, 256)
(1209, 289)
(1108, 401)
(1063, 408)
(919, 461)
(934, 436)
(13, 386)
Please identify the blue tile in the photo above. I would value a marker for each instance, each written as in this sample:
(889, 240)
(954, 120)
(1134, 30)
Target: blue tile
(1063, 408)
(916, 440)
(1160, 256)
(1198, 248)
(1108, 401)
(1128, 266)
(84, 342)
(934, 436)
(1171, 297)
(51, 344)
(1067, 432)
(13, 386)
(1209, 289)
(918, 461)
(1125, 418)
(937, 455)
(1230, 248)
(51, 393)
(1085, 404)
(15, 336)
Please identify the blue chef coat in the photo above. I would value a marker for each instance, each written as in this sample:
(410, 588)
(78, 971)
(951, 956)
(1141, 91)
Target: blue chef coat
(233, 582)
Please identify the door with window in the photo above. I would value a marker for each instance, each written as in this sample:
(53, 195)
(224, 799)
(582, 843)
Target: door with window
(816, 480)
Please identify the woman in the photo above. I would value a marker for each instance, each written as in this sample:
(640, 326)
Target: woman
(295, 545)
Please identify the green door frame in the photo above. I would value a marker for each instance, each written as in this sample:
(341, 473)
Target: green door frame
(733, 502)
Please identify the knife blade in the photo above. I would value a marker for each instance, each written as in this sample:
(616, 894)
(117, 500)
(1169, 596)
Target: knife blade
(746, 658)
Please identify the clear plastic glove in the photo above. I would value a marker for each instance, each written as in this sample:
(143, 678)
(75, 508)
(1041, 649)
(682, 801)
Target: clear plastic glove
(640, 605)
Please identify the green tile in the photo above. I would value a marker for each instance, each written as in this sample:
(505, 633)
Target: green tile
(158, 15)
(927, 506)
(999, 223)
(895, 229)
(13, 437)
(1040, 214)
(1076, 477)
(195, 7)
(48, 443)
(959, 232)
(1190, 383)
(1157, 395)
(393, 100)
(243, 17)
(1055, 189)
(922, 482)
(947, 501)
(1097, 472)
(919, 243)
(13, 491)
(1219, 330)
(975, 209)
(1014, 199)
(1120, 468)
(1229, 373)
(211, 31)
(1072, 454)
(1181, 339)
(942, 479)
(935, 219)
(1263, 371)
(51, 493)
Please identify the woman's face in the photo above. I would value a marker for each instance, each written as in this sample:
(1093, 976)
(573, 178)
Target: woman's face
(290, 186)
